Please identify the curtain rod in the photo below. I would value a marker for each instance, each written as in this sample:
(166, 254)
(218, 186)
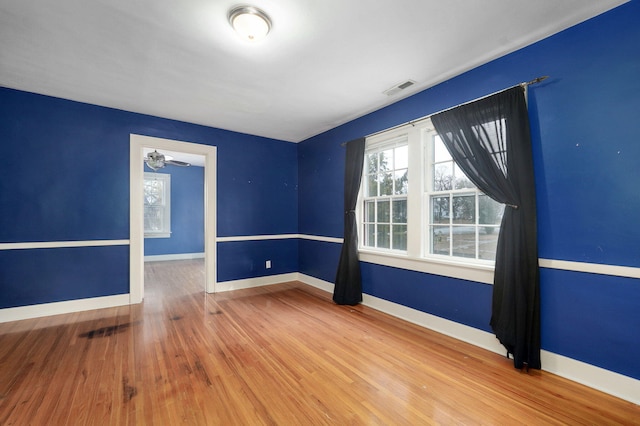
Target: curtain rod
(417, 120)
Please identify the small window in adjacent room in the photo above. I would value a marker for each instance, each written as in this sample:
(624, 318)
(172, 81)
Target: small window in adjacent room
(157, 205)
(385, 195)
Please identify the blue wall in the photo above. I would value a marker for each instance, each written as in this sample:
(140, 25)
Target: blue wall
(243, 259)
(187, 213)
(586, 138)
(29, 277)
(66, 178)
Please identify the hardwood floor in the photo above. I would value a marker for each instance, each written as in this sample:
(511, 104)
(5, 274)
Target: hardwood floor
(281, 354)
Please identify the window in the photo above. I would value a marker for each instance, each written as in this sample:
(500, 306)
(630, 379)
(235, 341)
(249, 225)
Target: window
(462, 221)
(385, 195)
(157, 205)
(418, 204)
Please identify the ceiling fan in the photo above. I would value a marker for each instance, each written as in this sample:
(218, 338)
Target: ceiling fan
(155, 161)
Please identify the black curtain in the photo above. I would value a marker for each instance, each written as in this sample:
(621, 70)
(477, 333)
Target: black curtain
(490, 141)
(348, 288)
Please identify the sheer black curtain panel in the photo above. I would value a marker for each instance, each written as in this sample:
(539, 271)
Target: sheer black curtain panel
(490, 141)
(348, 285)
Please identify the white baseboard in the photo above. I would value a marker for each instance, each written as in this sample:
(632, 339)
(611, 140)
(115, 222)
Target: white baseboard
(615, 384)
(255, 282)
(181, 256)
(607, 381)
(316, 282)
(66, 307)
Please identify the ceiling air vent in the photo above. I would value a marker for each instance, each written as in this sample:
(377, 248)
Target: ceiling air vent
(399, 87)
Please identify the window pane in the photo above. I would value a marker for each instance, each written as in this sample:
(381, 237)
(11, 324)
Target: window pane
(384, 236)
(401, 157)
(370, 235)
(385, 160)
(495, 131)
(370, 211)
(464, 241)
(372, 186)
(400, 211)
(439, 209)
(153, 193)
(400, 182)
(464, 209)
(153, 218)
(443, 177)
(440, 239)
(488, 241)
(399, 237)
(372, 163)
(461, 179)
(386, 184)
(384, 210)
(440, 151)
(490, 210)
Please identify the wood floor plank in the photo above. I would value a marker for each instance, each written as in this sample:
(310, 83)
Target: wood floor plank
(276, 355)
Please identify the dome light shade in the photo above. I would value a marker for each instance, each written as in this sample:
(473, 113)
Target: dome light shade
(155, 161)
(251, 23)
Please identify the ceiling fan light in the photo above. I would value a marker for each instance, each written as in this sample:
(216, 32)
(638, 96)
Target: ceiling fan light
(155, 164)
(155, 160)
(251, 23)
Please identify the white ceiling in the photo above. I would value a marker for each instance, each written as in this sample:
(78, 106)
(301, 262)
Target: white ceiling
(324, 63)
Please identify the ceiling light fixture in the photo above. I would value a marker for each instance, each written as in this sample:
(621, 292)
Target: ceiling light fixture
(157, 161)
(251, 23)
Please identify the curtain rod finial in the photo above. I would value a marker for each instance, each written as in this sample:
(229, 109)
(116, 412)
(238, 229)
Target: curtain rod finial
(536, 80)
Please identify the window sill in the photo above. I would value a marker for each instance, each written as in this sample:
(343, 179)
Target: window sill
(448, 268)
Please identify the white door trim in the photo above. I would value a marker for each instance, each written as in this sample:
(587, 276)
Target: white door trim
(136, 208)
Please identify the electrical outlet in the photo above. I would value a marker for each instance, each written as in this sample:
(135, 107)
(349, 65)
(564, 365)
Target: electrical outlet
(268, 264)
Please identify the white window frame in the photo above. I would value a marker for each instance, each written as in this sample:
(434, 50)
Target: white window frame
(397, 141)
(416, 257)
(165, 232)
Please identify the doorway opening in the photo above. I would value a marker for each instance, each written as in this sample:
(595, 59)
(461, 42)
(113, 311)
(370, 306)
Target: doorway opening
(138, 144)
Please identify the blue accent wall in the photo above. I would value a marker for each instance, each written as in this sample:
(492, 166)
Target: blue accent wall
(257, 187)
(592, 318)
(319, 259)
(187, 214)
(66, 178)
(586, 144)
(247, 259)
(67, 170)
(30, 277)
(321, 163)
(462, 301)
